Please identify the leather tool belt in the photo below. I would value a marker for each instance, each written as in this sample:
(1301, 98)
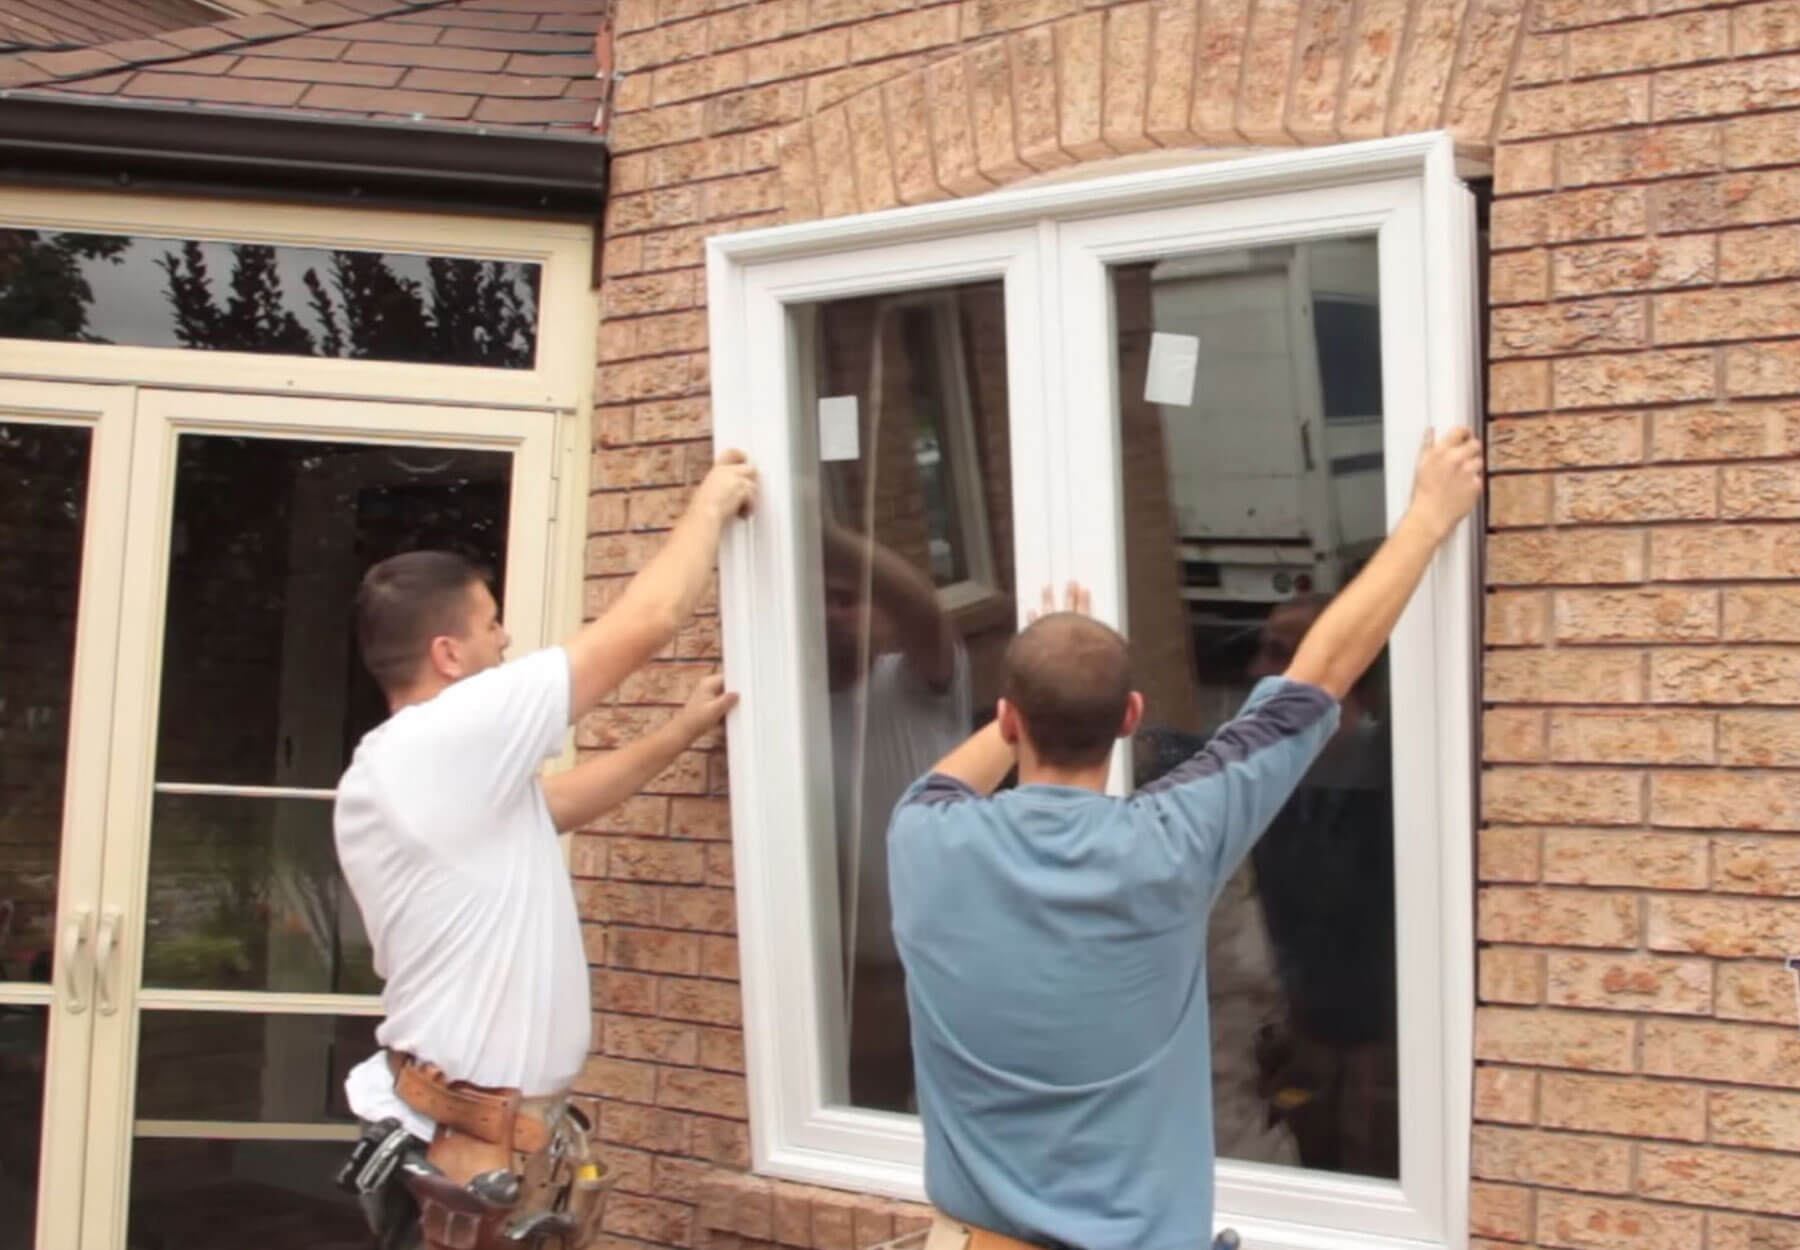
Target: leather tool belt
(949, 1234)
(503, 1171)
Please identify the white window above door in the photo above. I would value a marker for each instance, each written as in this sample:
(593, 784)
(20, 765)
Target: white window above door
(1199, 390)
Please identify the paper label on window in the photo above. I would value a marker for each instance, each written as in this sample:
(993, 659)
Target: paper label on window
(1170, 376)
(839, 433)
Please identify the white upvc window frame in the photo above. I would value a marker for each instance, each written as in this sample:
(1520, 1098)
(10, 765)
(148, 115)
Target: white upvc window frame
(1051, 246)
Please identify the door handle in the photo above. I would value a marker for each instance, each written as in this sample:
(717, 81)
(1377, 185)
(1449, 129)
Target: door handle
(68, 956)
(105, 944)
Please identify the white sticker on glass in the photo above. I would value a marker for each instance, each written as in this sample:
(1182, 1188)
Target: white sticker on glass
(1170, 376)
(839, 435)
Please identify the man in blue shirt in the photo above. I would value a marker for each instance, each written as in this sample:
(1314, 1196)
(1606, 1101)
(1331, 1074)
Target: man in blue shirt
(1054, 938)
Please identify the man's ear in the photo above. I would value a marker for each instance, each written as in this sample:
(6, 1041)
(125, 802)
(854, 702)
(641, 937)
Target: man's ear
(1134, 715)
(446, 657)
(1008, 716)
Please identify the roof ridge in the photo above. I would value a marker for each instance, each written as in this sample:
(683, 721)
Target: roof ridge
(121, 64)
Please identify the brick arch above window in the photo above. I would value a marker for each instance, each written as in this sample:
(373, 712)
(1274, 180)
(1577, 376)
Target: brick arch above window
(1171, 74)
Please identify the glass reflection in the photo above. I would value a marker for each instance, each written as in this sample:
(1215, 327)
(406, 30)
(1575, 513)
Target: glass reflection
(277, 299)
(281, 1069)
(43, 496)
(23, 1032)
(1253, 491)
(915, 551)
(196, 1194)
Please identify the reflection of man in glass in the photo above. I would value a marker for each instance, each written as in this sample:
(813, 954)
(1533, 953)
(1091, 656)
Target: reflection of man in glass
(1325, 874)
(899, 684)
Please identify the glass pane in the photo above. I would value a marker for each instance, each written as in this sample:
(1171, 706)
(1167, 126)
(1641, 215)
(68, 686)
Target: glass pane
(227, 1195)
(142, 291)
(218, 1065)
(22, 1034)
(43, 496)
(1246, 508)
(246, 894)
(262, 684)
(916, 510)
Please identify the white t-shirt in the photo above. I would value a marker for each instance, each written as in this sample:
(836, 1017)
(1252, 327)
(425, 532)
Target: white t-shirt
(910, 727)
(449, 848)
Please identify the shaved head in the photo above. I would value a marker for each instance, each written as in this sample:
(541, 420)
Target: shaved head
(1069, 678)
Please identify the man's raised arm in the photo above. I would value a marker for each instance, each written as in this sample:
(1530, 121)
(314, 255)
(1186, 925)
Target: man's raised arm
(1351, 632)
(656, 604)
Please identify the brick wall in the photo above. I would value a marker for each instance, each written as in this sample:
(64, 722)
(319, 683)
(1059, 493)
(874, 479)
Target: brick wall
(1638, 1056)
(1636, 1030)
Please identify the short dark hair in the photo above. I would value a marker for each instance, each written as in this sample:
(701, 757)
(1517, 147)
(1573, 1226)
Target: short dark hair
(403, 603)
(1069, 676)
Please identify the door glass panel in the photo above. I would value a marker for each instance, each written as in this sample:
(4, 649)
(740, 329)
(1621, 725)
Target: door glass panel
(261, 682)
(249, 1068)
(915, 501)
(199, 1194)
(23, 1031)
(282, 300)
(43, 497)
(1253, 490)
(245, 894)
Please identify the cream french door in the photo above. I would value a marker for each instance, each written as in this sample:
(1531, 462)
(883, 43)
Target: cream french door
(212, 980)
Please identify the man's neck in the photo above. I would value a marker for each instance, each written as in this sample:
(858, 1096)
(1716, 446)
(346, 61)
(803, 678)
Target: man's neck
(424, 692)
(1086, 777)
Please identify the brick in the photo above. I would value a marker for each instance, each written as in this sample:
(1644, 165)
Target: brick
(909, 132)
(1758, 369)
(1556, 329)
(1722, 200)
(1563, 676)
(1170, 86)
(703, 1002)
(952, 135)
(1729, 928)
(1721, 800)
(1638, 495)
(1725, 552)
(653, 950)
(1322, 57)
(1510, 975)
(1771, 139)
(1587, 736)
(1685, 37)
(1573, 217)
(1759, 1120)
(1760, 492)
(1759, 254)
(902, 33)
(1519, 500)
(624, 991)
(1218, 68)
(617, 902)
(1760, 29)
(1742, 432)
(1629, 1108)
(873, 160)
(1503, 1211)
(1557, 917)
(1081, 55)
(1522, 167)
(1635, 265)
(1430, 57)
(1734, 1232)
(724, 1142)
(1518, 386)
(1742, 675)
(1760, 992)
(635, 859)
(1034, 98)
(989, 78)
(1762, 614)
(722, 1050)
(659, 1041)
(1566, 1161)
(1732, 1054)
(1636, 378)
(1728, 87)
(1584, 1223)
(1505, 1095)
(1569, 108)
(1645, 860)
(206, 89)
(1484, 67)
(698, 910)
(1540, 795)
(1662, 615)
(1768, 866)
(716, 1093)
(1751, 1182)
(1574, 556)
(648, 1219)
(617, 1079)
(1516, 618)
(1542, 58)
(662, 292)
(1558, 1039)
(1563, 14)
(1731, 313)
(1630, 983)
(1512, 735)
(1506, 854)
(1268, 58)
(1519, 277)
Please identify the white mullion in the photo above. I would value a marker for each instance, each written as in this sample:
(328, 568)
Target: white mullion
(259, 1002)
(242, 792)
(240, 1130)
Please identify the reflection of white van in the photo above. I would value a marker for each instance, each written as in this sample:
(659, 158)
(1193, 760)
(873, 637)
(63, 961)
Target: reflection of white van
(1275, 468)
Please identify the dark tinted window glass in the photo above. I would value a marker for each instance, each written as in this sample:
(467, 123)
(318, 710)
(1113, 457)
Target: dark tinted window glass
(255, 297)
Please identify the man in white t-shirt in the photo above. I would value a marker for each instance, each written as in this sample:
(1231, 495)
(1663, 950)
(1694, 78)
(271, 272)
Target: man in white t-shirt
(447, 835)
(899, 701)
